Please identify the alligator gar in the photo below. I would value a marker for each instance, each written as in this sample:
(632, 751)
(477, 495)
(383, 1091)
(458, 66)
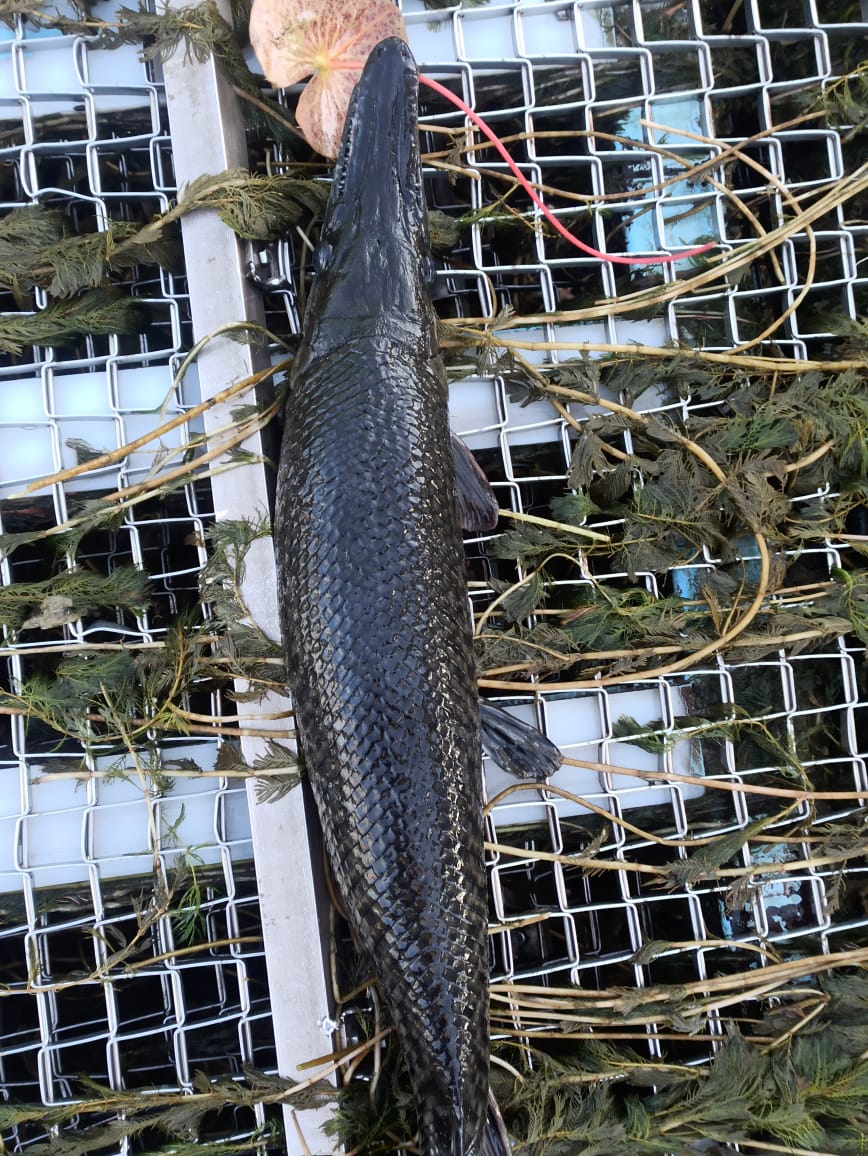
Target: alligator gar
(373, 604)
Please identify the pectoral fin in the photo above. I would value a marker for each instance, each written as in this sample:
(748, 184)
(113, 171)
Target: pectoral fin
(517, 747)
(477, 504)
(495, 1140)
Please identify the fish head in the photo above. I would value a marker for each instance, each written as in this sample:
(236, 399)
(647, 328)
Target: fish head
(373, 256)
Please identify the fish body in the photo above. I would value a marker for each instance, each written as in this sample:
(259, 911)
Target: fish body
(373, 604)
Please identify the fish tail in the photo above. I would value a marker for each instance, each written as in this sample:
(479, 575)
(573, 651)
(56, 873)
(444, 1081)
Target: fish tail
(495, 1141)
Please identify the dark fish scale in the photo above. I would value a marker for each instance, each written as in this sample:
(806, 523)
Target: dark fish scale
(374, 612)
(374, 609)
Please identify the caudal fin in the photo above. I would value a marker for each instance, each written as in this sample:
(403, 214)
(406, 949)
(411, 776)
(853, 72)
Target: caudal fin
(495, 1141)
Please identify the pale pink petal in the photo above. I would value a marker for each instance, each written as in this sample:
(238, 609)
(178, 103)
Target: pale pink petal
(281, 36)
(322, 110)
(294, 38)
(353, 27)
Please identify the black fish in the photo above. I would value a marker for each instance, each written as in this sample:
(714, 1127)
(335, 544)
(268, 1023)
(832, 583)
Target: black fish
(374, 612)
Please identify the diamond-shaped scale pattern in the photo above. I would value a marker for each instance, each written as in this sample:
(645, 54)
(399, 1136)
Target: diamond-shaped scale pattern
(375, 619)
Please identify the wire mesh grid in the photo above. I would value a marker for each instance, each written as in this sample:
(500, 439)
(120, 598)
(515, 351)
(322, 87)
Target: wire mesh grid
(120, 866)
(611, 103)
(576, 89)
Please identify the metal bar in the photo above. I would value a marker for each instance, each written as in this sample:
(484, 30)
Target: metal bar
(205, 120)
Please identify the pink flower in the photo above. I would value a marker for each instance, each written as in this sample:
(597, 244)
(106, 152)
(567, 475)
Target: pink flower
(330, 39)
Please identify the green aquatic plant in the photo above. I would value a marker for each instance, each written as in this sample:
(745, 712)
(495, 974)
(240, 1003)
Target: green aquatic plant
(167, 1123)
(753, 472)
(87, 692)
(782, 1079)
(95, 312)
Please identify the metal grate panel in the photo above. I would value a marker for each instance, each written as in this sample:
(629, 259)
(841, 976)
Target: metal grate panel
(85, 130)
(597, 100)
(620, 88)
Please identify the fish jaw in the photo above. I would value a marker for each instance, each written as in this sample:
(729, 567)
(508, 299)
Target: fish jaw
(376, 220)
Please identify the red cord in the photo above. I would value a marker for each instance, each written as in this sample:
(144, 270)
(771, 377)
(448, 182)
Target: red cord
(664, 259)
(613, 259)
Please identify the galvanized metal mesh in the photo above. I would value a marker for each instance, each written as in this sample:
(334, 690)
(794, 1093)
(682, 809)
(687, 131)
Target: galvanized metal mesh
(593, 100)
(86, 130)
